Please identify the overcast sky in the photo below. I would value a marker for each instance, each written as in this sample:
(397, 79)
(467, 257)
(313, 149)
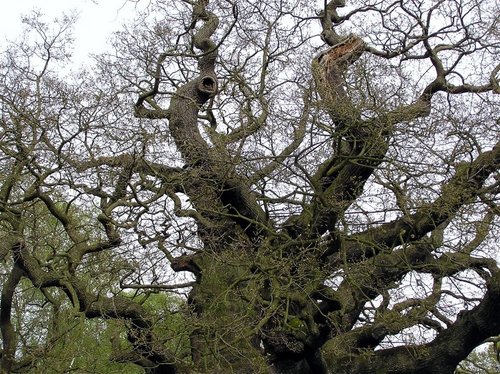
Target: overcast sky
(97, 20)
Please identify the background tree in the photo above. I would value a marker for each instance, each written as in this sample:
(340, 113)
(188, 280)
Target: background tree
(481, 361)
(323, 204)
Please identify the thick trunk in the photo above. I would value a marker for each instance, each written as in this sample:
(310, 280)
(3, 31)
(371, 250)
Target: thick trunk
(225, 318)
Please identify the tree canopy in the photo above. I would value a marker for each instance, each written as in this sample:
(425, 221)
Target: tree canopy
(253, 187)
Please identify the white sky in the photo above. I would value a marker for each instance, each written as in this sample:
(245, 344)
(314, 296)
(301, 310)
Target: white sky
(98, 18)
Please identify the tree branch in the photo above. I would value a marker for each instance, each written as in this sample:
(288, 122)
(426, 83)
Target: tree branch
(461, 189)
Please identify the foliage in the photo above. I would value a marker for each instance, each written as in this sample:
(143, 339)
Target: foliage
(480, 361)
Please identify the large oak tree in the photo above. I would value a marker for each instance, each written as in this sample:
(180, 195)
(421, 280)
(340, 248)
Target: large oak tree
(314, 186)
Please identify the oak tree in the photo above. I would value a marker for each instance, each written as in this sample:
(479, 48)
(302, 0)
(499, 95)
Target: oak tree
(311, 188)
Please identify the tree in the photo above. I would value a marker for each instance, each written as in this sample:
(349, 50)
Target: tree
(481, 361)
(322, 205)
